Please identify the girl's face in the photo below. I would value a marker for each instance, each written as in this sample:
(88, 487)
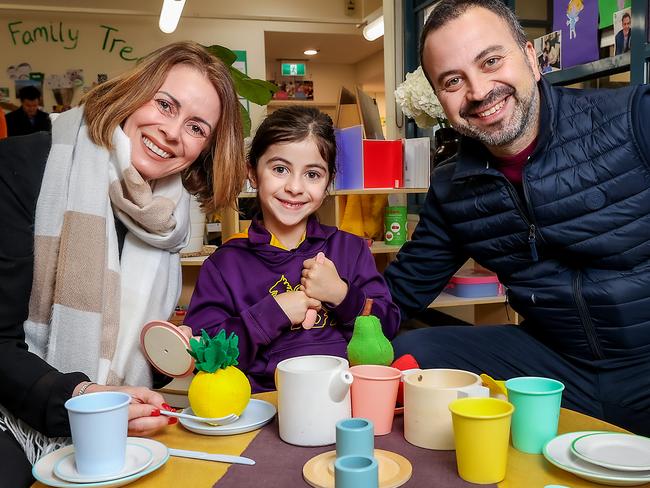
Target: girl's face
(169, 132)
(291, 181)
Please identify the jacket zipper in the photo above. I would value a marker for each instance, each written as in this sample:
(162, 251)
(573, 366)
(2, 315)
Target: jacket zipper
(532, 231)
(585, 317)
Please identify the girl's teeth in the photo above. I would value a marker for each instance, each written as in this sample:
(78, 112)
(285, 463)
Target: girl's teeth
(155, 149)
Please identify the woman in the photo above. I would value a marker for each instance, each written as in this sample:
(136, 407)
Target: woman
(98, 212)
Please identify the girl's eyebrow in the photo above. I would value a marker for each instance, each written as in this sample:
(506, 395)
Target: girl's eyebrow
(178, 104)
(310, 165)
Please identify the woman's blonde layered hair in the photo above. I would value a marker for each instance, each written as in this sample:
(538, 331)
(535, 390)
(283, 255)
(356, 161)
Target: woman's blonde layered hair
(217, 176)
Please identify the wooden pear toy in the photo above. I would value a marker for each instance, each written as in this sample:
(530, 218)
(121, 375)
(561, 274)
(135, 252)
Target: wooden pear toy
(369, 345)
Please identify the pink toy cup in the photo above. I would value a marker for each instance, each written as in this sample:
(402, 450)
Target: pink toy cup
(374, 392)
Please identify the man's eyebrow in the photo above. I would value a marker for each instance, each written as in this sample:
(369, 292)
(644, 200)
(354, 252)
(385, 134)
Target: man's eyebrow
(178, 104)
(477, 58)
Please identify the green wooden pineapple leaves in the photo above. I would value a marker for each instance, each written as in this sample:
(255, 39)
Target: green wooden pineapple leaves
(213, 353)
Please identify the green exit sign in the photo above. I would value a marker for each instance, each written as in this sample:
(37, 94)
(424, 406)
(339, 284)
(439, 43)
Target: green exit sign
(293, 69)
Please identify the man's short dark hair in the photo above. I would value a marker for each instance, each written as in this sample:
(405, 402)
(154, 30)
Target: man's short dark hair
(626, 15)
(448, 10)
(29, 92)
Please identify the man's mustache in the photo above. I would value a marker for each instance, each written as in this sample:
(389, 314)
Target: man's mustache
(472, 108)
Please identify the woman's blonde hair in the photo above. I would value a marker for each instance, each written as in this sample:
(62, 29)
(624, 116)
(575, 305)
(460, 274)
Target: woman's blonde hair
(217, 176)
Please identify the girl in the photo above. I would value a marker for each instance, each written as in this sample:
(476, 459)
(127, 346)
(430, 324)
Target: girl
(261, 284)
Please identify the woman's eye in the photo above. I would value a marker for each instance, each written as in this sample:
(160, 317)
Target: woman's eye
(196, 130)
(164, 105)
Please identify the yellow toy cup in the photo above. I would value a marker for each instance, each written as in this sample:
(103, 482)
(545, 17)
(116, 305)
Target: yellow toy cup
(481, 433)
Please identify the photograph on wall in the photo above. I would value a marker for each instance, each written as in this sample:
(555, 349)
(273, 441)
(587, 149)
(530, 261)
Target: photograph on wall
(578, 22)
(294, 90)
(549, 52)
(4, 93)
(19, 71)
(622, 30)
(606, 9)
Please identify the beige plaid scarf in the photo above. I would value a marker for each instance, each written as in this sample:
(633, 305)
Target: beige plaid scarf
(88, 302)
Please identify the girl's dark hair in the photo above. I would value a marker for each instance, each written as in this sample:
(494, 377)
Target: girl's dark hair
(294, 124)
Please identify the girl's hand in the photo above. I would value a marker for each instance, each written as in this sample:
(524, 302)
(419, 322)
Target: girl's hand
(295, 305)
(321, 280)
(144, 410)
(187, 331)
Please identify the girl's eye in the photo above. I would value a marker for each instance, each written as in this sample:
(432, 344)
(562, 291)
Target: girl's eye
(313, 175)
(280, 170)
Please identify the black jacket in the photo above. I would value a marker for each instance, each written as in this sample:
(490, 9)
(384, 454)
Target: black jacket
(18, 123)
(29, 387)
(575, 251)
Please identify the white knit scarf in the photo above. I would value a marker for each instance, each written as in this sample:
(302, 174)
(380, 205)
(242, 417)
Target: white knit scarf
(88, 303)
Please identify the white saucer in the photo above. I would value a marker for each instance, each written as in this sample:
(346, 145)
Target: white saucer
(257, 414)
(137, 458)
(614, 450)
(43, 470)
(557, 451)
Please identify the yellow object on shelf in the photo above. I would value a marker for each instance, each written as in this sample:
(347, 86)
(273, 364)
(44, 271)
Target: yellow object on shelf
(363, 215)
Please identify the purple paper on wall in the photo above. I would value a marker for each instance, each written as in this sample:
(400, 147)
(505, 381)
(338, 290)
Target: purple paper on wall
(578, 21)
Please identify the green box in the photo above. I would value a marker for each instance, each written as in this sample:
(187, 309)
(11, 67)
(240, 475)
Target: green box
(395, 226)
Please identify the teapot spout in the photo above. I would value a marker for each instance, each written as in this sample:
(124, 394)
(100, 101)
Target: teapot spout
(340, 385)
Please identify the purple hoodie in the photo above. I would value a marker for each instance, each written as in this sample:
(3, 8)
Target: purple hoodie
(236, 286)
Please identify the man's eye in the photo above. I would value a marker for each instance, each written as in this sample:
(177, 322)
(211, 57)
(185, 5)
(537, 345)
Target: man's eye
(452, 83)
(491, 62)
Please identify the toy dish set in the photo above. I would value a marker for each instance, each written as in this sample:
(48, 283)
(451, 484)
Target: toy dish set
(468, 283)
(166, 348)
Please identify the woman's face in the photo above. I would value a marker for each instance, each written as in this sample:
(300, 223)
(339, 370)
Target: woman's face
(169, 132)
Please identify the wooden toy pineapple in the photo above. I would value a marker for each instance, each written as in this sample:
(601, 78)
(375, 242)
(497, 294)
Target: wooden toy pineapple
(219, 388)
(369, 345)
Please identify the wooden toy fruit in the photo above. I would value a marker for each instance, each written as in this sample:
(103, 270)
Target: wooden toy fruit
(219, 388)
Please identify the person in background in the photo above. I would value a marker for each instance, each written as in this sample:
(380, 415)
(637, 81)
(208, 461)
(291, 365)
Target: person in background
(28, 118)
(550, 189)
(260, 284)
(93, 217)
(623, 37)
(3, 124)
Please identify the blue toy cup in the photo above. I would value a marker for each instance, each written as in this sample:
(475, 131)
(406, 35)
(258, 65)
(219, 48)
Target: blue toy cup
(355, 437)
(537, 411)
(356, 472)
(99, 426)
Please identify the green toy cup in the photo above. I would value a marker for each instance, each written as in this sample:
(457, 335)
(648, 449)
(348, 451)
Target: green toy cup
(537, 411)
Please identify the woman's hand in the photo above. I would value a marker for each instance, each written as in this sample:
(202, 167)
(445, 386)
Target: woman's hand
(144, 410)
(295, 305)
(321, 280)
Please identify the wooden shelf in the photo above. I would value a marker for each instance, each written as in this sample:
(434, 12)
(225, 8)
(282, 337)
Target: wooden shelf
(379, 191)
(288, 103)
(446, 300)
(587, 71)
(378, 247)
(193, 261)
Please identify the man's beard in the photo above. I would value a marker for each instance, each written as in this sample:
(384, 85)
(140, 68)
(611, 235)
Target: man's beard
(506, 131)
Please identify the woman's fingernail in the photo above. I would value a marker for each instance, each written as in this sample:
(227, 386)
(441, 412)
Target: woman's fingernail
(155, 412)
(172, 420)
(167, 407)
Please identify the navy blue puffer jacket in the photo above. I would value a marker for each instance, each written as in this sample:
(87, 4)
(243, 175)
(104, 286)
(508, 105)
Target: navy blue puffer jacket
(575, 251)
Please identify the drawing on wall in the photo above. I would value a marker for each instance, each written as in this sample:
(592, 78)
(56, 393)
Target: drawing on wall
(622, 30)
(101, 78)
(549, 52)
(19, 72)
(578, 22)
(606, 9)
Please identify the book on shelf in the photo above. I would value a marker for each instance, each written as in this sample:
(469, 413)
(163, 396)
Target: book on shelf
(416, 162)
(382, 164)
(349, 158)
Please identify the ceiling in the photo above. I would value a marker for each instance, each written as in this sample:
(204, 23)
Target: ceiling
(333, 48)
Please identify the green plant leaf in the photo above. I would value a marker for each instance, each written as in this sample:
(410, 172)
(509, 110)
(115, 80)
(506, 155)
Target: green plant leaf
(245, 120)
(223, 53)
(256, 91)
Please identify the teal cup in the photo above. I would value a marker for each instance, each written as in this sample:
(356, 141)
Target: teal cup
(537, 411)
(356, 472)
(355, 437)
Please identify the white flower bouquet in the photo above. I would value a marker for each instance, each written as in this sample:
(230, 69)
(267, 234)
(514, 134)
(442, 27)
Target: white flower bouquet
(418, 101)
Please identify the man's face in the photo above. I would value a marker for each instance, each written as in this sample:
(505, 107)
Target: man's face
(484, 81)
(30, 107)
(627, 23)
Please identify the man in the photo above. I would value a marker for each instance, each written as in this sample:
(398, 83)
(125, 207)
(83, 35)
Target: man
(622, 39)
(551, 190)
(28, 119)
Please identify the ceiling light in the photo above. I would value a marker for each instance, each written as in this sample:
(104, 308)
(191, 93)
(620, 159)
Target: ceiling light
(375, 29)
(170, 15)
(311, 52)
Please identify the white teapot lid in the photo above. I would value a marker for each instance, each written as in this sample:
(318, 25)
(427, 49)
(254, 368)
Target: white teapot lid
(165, 346)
